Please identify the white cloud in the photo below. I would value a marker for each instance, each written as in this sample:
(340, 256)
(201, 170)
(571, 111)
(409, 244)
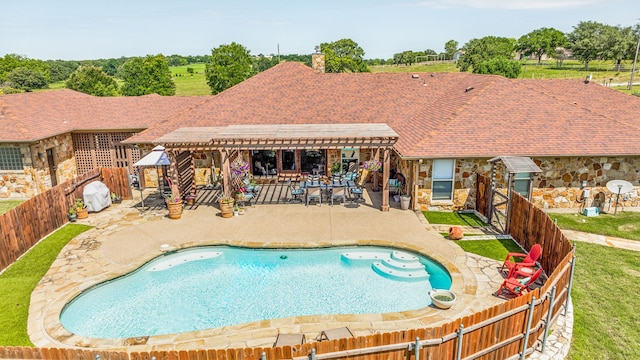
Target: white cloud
(509, 4)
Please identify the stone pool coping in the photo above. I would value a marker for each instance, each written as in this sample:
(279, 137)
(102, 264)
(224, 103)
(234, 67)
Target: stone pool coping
(125, 238)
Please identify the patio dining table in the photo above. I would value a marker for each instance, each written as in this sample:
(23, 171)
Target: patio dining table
(327, 185)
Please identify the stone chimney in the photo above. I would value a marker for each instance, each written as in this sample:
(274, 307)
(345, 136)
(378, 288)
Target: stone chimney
(317, 60)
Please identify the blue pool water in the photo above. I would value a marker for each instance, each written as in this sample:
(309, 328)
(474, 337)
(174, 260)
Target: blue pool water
(216, 286)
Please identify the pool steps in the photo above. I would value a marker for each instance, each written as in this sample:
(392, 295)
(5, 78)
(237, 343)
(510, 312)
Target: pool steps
(188, 256)
(396, 265)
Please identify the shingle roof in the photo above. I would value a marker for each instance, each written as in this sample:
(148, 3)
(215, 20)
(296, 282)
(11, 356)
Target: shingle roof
(32, 116)
(436, 115)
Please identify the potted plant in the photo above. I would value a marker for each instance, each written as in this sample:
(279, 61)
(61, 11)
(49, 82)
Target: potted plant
(115, 198)
(442, 299)
(71, 214)
(373, 166)
(81, 209)
(336, 168)
(405, 199)
(226, 206)
(239, 168)
(236, 210)
(190, 199)
(174, 203)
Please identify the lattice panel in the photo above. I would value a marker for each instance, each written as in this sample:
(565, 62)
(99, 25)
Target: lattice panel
(186, 172)
(94, 150)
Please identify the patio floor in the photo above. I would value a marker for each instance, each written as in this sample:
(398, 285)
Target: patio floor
(126, 236)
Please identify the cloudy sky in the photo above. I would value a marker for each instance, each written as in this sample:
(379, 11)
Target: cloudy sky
(92, 29)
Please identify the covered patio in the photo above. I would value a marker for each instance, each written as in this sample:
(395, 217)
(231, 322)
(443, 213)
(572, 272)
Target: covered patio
(287, 140)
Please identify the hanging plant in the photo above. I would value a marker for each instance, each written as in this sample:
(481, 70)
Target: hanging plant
(239, 168)
(372, 165)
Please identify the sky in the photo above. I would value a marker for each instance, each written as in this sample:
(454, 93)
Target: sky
(93, 29)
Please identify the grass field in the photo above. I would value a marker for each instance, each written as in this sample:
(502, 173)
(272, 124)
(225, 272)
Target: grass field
(452, 218)
(6, 205)
(19, 280)
(190, 83)
(625, 224)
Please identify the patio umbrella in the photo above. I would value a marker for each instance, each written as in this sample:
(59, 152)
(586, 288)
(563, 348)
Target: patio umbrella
(157, 157)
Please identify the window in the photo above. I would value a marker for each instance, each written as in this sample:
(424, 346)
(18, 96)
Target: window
(442, 185)
(10, 159)
(288, 160)
(521, 184)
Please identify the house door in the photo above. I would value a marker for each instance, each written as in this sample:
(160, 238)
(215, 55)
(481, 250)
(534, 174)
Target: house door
(53, 167)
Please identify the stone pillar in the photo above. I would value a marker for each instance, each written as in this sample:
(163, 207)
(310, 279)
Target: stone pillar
(317, 62)
(226, 172)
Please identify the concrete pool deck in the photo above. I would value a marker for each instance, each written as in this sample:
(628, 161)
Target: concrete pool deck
(125, 237)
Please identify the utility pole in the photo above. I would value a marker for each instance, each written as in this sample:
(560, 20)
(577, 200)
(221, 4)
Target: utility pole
(633, 68)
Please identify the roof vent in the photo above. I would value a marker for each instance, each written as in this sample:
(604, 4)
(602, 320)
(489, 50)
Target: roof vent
(468, 89)
(432, 75)
(415, 76)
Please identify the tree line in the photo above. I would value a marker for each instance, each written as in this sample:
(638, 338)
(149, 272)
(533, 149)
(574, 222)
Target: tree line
(231, 64)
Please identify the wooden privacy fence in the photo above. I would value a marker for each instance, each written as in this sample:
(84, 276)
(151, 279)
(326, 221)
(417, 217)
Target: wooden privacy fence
(509, 330)
(27, 223)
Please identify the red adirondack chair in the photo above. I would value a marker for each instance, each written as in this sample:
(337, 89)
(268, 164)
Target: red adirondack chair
(518, 287)
(529, 261)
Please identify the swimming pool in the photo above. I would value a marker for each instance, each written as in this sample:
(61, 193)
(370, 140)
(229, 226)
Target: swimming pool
(216, 286)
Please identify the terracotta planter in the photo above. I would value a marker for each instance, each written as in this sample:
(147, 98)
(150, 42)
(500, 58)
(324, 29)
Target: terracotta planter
(226, 207)
(455, 233)
(83, 214)
(175, 210)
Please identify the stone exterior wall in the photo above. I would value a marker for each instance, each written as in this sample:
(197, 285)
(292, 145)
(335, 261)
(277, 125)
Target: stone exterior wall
(35, 177)
(558, 186)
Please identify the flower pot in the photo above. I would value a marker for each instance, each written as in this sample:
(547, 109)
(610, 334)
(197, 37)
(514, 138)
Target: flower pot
(455, 233)
(190, 200)
(72, 217)
(405, 202)
(442, 299)
(83, 213)
(175, 209)
(226, 207)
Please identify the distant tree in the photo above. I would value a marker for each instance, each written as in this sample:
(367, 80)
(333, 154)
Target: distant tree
(190, 70)
(262, 63)
(486, 48)
(508, 68)
(344, 55)
(618, 44)
(450, 48)
(540, 42)
(305, 59)
(61, 69)
(26, 79)
(586, 41)
(148, 75)
(230, 65)
(93, 81)
(12, 61)
(429, 52)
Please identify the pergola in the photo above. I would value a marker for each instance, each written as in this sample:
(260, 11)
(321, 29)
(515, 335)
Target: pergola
(230, 139)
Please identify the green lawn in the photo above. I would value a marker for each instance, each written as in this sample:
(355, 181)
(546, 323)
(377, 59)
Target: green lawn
(19, 280)
(493, 249)
(606, 315)
(190, 83)
(6, 205)
(453, 218)
(625, 224)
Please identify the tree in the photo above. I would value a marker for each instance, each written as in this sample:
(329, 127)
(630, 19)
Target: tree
(93, 81)
(12, 61)
(450, 48)
(230, 65)
(486, 48)
(26, 79)
(499, 66)
(540, 42)
(618, 44)
(586, 41)
(147, 75)
(262, 63)
(343, 56)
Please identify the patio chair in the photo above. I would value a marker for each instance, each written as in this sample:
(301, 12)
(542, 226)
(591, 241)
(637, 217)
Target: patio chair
(334, 334)
(529, 260)
(296, 192)
(394, 186)
(289, 340)
(314, 193)
(358, 190)
(338, 191)
(518, 287)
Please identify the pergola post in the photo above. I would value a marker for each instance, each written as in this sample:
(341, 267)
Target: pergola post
(226, 172)
(386, 156)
